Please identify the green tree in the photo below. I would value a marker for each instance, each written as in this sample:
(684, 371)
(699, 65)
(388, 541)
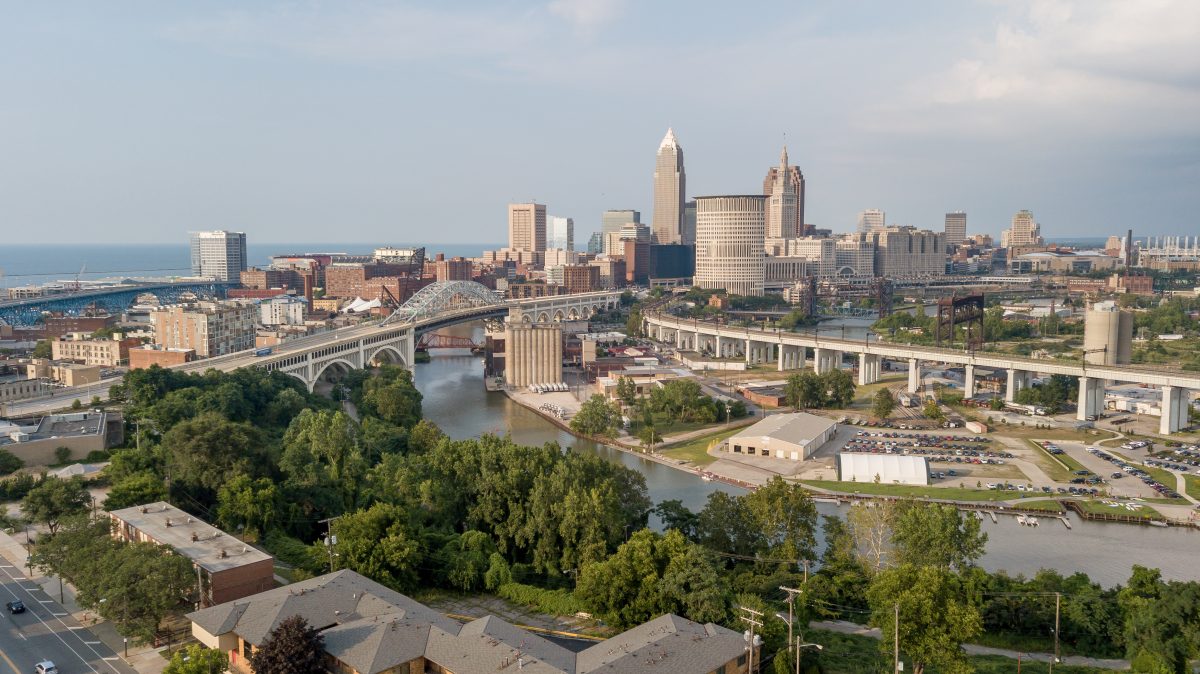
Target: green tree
(786, 516)
(839, 388)
(649, 436)
(804, 390)
(933, 410)
(43, 349)
(206, 451)
(244, 502)
(136, 489)
(737, 409)
(933, 534)
(55, 498)
(9, 463)
(633, 324)
(377, 542)
(196, 659)
(882, 404)
(596, 417)
(62, 455)
(934, 617)
(674, 515)
(293, 647)
(392, 396)
(322, 457)
(626, 390)
(996, 404)
(726, 525)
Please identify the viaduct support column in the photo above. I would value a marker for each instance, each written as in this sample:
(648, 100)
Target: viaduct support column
(1174, 414)
(914, 375)
(749, 352)
(969, 382)
(1091, 397)
(1017, 381)
(820, 360)
(868, 369)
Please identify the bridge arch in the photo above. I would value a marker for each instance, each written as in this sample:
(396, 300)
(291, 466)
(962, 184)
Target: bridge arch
(543, 317)
(573, 314)
(393, 354)
(340, 365)
(559, 316)
(443, 296)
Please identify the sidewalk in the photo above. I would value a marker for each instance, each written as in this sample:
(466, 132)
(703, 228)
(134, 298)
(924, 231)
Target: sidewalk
(846, 627)
(143, 658)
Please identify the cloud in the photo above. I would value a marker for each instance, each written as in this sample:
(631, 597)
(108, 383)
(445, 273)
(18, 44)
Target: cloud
(1101, 65)
(587, 15)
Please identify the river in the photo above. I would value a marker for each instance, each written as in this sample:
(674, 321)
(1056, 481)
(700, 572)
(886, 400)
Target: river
(455, 399)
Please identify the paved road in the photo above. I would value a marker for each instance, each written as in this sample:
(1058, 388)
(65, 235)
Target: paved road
(45, 631)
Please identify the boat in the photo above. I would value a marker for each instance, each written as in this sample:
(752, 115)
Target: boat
(1158, 523)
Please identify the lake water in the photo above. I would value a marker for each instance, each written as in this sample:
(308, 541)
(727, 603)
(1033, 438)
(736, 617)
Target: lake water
(455, 399)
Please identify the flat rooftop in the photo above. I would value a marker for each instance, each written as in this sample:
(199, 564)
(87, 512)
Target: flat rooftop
(207, 546)
(63, 426)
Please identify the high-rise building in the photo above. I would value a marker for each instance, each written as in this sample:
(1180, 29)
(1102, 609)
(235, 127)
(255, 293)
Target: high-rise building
(956, 228)
(613, 220)
(784, 188)
(871, 219)
(729, 243)
(906, 252)
(209, 328)
(670, 187)
(595, 244)
(560, 232)
(218, 255)
(689, 223)
(1025, 231)
(527, 227)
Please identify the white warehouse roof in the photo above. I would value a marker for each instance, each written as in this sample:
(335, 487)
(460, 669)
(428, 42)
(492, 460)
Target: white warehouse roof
(891, 468)
(797, 428)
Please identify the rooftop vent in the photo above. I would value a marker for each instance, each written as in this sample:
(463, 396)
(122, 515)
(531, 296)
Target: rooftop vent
(224, 554)
(168, 521)
(195, 537)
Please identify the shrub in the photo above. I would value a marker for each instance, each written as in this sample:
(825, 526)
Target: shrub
(293, 552)
(9, 463)
(62, 454)
(551, 602)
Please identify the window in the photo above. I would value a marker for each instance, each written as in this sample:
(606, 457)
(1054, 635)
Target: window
(741, 660)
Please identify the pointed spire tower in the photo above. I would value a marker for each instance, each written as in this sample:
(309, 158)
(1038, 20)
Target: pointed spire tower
(784, 185)
(670, 188)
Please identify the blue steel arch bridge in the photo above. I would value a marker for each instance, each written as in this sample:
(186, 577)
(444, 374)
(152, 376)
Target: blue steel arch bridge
(113, 300)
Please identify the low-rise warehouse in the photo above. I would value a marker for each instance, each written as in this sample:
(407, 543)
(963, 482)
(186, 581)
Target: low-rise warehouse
(883, 468)
(784, 436)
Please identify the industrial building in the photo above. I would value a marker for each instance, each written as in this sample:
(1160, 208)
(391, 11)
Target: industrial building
(227, 569)
(81, 432)
(883, 468)
(1107, 335)
(793, 436)
(530, 354)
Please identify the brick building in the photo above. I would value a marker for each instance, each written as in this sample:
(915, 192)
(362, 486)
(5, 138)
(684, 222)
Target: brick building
(152, 354)
(104, 352)
(581, 278)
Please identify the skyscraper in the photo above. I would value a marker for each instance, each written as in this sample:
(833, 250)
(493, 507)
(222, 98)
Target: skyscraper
(956, 228)
(614, 220)
(871, 219)
(784, 188)
(560, 232)
(1025, 231)
(670, 187)
(729, 243)
(527, 227)
(218, 255)
(688, 235)
(595, 244)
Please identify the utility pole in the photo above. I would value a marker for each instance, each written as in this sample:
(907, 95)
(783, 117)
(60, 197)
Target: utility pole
(1057, 605)
(896, 648)
(791, 615)
(752, 618)
(330, 539)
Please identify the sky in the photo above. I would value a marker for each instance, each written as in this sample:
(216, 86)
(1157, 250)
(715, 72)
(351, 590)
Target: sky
(137, 121)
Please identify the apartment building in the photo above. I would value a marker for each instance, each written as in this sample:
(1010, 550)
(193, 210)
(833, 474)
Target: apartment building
(208, 328)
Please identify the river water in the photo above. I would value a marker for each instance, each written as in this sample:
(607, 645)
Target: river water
(455, 399)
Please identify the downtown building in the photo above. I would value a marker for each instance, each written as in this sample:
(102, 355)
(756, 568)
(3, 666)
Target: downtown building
(527, 227)
(908, 253)
(730, 231)
(207, 328)
(1025, 231)
(560, 233)
(784, 189)
(670, 187)
(219, 255)
(956, 228)
(870, 220)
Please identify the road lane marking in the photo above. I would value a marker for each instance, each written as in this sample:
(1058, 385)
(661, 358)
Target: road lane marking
(57, 635)
(46, 601)
(92, 643)
(112, 658)
(11, 664)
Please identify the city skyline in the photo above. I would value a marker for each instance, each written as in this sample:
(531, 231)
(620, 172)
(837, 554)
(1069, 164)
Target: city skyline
(295, 121)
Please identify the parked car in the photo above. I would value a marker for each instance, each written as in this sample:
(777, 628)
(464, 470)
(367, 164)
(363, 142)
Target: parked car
(45, 667)
(15, 606)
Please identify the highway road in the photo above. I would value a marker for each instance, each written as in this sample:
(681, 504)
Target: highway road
(59, 399)
(46, 632)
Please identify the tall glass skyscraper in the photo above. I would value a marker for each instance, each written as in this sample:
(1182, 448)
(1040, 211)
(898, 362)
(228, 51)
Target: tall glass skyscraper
(218, 255)
(560, 232)
(670, 187)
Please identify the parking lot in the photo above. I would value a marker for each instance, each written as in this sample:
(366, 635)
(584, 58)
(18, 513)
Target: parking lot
(1121, 477)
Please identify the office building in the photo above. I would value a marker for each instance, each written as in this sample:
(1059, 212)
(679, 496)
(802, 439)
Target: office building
(580, 278)
(670, 187)
(854, 256)
(689, 223)
(595, 244)
(527, 227)
(226, 568)
(672, 262)
(784, 189)
(956, 228)
(871, 219)
(613, 220)
(560, 232)
(208, 328)
(367, 628)
(612, 271)
(906, 252)
(218, 255)
(821, 254)
(637, 261)
(729, 243)
(36, 442)
(77, 347)
(152, 354)
(454, 269)
(282, 310)
(1025, 231)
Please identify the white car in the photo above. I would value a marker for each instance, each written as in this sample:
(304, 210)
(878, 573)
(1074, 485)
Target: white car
(45, 667)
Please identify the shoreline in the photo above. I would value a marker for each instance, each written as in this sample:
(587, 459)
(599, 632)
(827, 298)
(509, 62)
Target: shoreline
(837, 497)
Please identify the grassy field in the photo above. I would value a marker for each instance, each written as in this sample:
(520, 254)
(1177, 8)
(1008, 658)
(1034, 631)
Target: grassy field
(904, 490)
(1145, 512)
(1193, 485)
(1058, 466)
(853, 654)
(696, 449)
(1044, 505)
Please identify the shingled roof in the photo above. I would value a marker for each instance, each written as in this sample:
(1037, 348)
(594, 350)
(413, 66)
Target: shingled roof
(372, 629)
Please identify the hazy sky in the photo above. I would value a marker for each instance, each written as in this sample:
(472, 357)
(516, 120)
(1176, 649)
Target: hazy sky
(387, 121)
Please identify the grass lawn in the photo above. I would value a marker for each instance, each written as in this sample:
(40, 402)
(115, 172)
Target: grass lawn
(1047, 505)
(1145, 512)
(1193, 485)
(696, 449)
(1058, 466)
(850, 653)
(948, 493)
